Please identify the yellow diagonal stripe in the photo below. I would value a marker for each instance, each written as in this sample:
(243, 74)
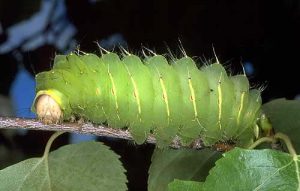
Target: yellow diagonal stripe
(114, 93)
(165, 97)
(136, 93)
(220, 102)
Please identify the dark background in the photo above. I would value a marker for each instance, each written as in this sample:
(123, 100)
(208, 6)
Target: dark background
(262, 32)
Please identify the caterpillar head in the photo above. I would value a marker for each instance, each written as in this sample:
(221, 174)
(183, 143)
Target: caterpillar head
(51, 103)
(67, 89)
(48, 110)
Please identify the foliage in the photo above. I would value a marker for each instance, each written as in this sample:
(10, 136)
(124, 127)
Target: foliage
(170, 164)
(84, 166)
(285, 117)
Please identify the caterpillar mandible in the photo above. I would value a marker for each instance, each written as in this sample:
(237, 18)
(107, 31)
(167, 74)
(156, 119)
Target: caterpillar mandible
(166, 98)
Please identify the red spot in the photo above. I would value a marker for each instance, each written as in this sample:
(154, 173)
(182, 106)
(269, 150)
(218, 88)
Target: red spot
(191, 98)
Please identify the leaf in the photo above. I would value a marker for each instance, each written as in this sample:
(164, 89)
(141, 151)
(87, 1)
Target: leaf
(180, 185)
(183, 164)
(90, 166)
(242, 169)
(84, 166)
(284, 116)
(30, 174)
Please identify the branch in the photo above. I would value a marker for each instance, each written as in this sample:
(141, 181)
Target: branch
(85, 128)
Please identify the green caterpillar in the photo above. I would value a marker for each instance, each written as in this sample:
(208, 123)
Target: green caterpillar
(153, 96)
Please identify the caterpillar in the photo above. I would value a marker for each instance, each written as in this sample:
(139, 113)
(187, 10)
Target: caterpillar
(152, 95)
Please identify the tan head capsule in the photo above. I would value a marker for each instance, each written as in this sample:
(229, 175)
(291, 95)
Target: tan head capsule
(48, 110)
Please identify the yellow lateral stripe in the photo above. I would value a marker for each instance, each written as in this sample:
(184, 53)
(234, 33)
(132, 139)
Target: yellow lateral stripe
(194, 102)
(193, 97)
(240, 108)
(136, 92)
(114, 90)
(97, 91)
(165, 96)
(220, 102)
(136, 95)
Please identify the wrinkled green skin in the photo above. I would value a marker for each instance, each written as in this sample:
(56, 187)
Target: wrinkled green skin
(155, 96)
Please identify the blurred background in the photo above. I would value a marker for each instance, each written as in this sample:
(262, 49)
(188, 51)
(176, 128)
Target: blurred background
(260, 35)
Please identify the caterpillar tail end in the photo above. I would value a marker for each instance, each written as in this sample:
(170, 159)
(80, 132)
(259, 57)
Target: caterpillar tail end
(48, 110)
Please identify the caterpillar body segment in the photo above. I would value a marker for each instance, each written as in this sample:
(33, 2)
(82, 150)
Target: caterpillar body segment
(141, 98)
(195, 99)
(167, 98)
(153, 96)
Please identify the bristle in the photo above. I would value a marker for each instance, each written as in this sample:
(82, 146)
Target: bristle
(124, 51)
(215, 54)
(182, 49)
(170, 53)
(102, 49)
(149, 50)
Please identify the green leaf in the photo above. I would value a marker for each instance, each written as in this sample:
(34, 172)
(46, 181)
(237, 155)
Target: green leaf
(284, 116)
(180, 185)
(183, 164)
(84, 166)
(242, 169)
(30, 174)
(90, 166)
